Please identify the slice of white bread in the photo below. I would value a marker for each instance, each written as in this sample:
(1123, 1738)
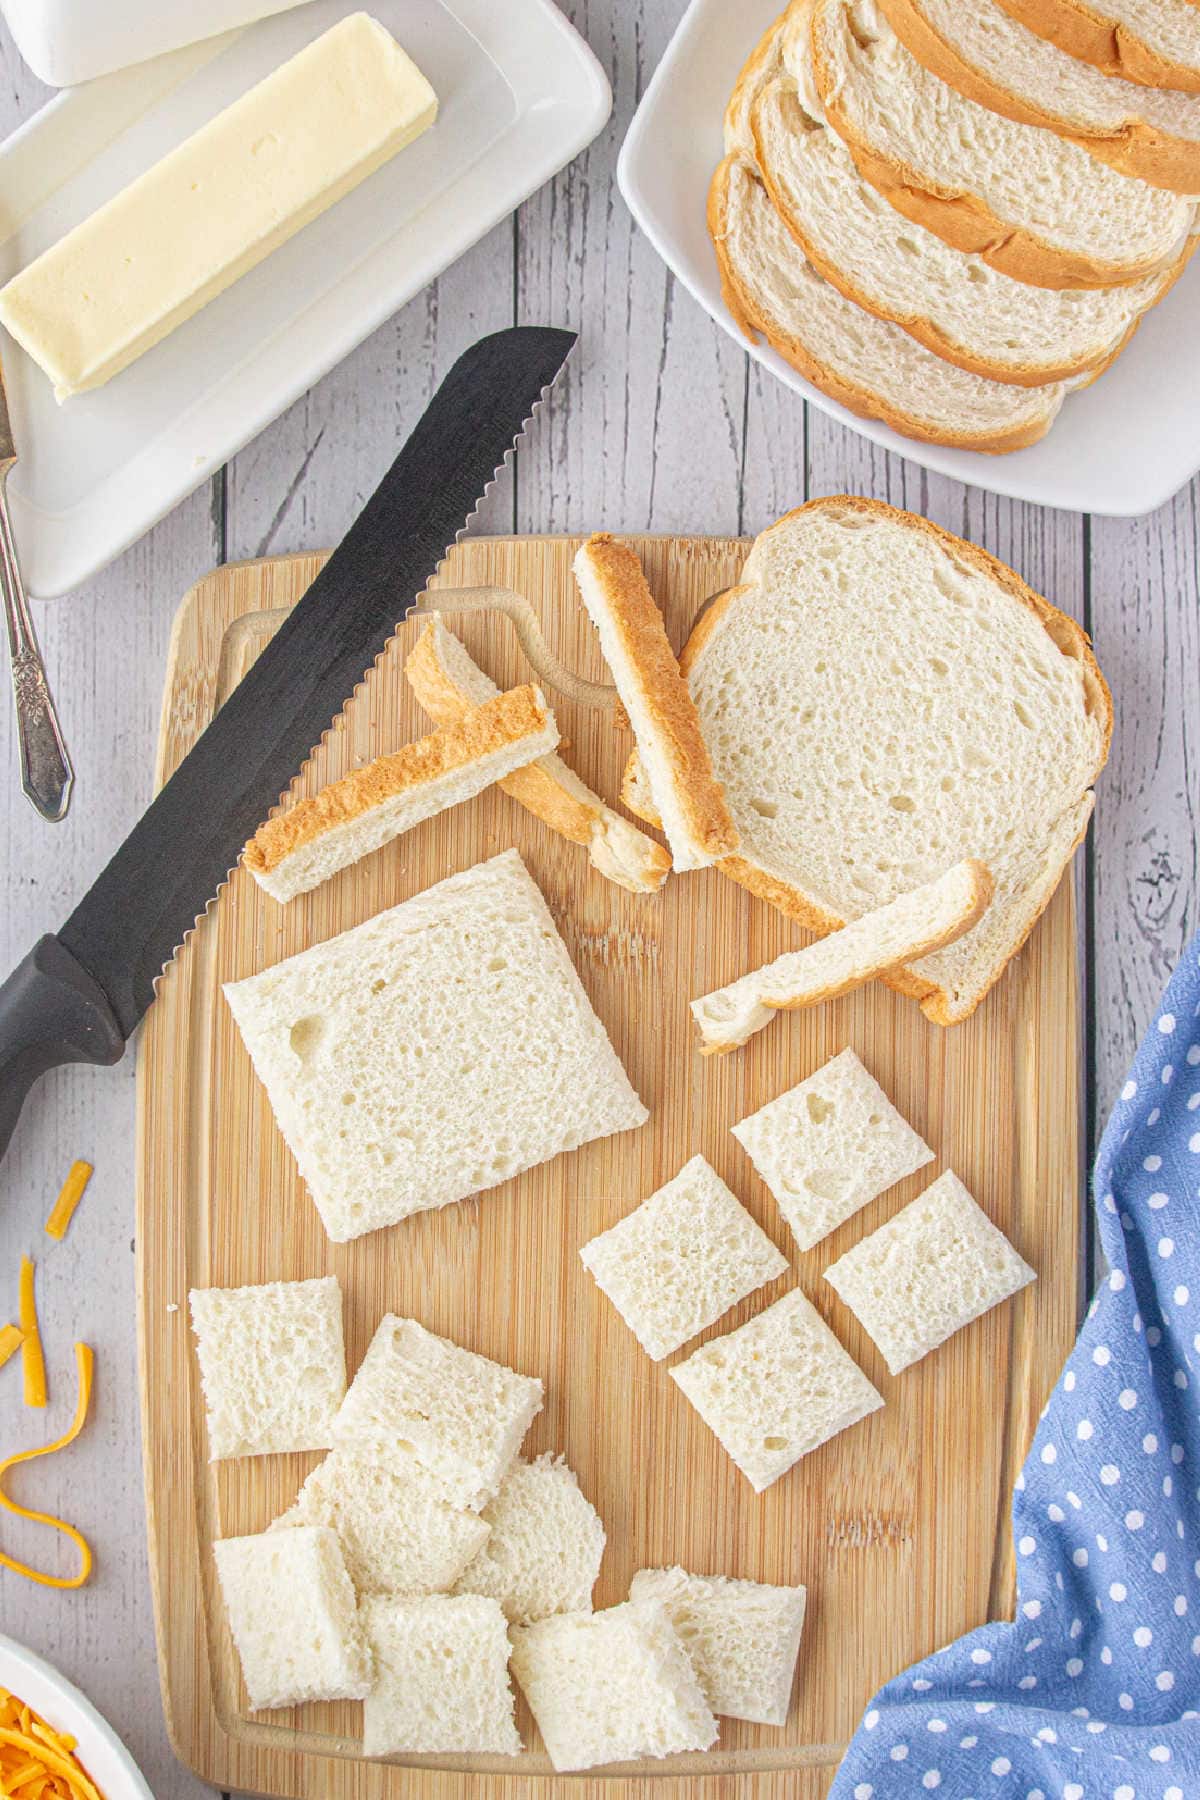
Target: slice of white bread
(441, 1678)
(1150, 134)
(928, 1272)
(743, 1638)
(293, 1617)
(459, 1415)
(355, 815)
(1154, 42)
(868, 365)
(611, 1687)
(776, 1388)
(655, 697)
(544, 1548)
(272, 1365)
(433, 1051)
(913, 925)
(447, 682)
(398, 1534)
(829, 1145)
(953, 303)
(1035, 205)
(681, 1259)
(883, 699)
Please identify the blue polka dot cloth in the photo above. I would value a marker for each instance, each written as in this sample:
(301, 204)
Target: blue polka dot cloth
(1093, 1693)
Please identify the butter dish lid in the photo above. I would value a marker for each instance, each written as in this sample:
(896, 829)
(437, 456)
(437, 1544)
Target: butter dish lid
(69, 41)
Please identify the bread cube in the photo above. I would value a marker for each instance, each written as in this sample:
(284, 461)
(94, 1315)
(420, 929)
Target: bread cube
(743, 1638)
(928, 1272)
(398, 1534)
(544, 1546)
(681, 1259)
(293, 1617)
(830, 1145)
(420, 1398)
(776, 1388)
(272, 1365)
(441, 1677)
(611, 1687)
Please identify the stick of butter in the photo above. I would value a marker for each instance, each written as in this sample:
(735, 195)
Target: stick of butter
(217, 205)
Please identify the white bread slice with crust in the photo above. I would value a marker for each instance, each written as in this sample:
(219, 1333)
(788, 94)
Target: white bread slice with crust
(1153, 42)
(953, 303)
(655, 696)
(868, 365)
(894, 935)
(851, 590)
(1149, 134)
(448, 683)
(351, 817)
(1034, 205)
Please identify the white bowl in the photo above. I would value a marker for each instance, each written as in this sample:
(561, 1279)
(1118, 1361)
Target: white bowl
(105, 1758)
(1121, 447)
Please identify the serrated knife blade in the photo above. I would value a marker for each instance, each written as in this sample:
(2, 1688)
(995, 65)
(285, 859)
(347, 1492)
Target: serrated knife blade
(78, 996)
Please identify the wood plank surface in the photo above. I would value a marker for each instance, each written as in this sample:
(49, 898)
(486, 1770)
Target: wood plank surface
(862, 1520)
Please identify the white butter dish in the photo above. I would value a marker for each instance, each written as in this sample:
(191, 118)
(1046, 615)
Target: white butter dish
(519, 95)
(69, 41)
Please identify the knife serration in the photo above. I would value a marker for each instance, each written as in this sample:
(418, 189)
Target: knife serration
(175, 860)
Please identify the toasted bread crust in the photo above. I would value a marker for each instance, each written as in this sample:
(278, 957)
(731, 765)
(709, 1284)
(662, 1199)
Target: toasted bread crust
(1138, 149)
(924, 330)
(965, 221)
(977, 901)
(856, 398)
(935, 1003)
(755, 71)
(519, 713)
(636, 619)
(1067, 636)
(1110, 47)
(643, 866)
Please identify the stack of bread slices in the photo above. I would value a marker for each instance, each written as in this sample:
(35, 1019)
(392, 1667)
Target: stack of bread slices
(946, 217)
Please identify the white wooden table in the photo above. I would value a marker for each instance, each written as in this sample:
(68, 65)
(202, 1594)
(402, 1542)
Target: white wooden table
(661, 424)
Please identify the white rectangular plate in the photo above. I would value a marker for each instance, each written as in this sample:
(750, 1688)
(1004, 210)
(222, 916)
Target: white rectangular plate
(520, 95)
(68, 41)
(1122, 446)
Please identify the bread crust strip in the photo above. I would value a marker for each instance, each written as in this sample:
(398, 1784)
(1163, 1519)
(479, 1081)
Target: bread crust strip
(548, 788)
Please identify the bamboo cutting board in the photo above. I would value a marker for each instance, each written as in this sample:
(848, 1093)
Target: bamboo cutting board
(899, 1527)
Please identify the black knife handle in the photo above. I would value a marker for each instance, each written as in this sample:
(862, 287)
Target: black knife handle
(51, 1012)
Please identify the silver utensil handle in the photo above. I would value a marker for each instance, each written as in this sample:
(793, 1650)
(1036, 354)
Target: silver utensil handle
(46, 772)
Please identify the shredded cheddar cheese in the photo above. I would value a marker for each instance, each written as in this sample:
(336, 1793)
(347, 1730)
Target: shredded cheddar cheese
(84, 1363)
(32, 1360)
(11, 1339)
(62, 1212)
(36, 1762)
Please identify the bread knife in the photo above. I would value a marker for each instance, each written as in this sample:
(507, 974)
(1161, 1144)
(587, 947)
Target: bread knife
(79, 994)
